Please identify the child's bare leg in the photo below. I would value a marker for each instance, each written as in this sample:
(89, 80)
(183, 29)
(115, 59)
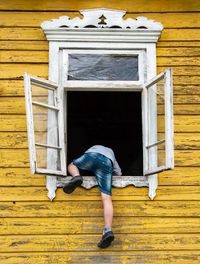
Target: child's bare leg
(73, 170)
(108, 209)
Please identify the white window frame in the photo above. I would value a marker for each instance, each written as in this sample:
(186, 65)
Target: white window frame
(131, 35)
(30, 80)
(168, 141)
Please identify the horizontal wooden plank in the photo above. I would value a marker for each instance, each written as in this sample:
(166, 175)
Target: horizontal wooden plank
(183, 104)
(183, 123)
(180, 176)
(16, 88)
(185, 80)
(169, 20)
(139, 6)
(186, 123)
(180, 35)
(13, 140)
(20, 158)
(12, 87)
(37, 34)
(177, 51)
(187, 158)
(10, 33)
(187, 141)
(13, 123)
(187, 99)
(181, 75)
(90, 225)
(24, 56)
(24, 45)
(186, 89)
(20, 177)
(183, 176)
(126, 242)
(178, 61)
(105, 257)
(187, 109)
(19, 140)
(130, 193)
(16, 71)
(176, 44)
(94, 208)
(170, 57)
(22, 19)
(10, 104)
(163, 47)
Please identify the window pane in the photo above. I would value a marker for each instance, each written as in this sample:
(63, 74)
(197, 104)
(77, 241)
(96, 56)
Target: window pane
(156, 141)
(42, 154)
(43, 127)
(42, 95)
(103, 67)
(157, 153)
(46, 133)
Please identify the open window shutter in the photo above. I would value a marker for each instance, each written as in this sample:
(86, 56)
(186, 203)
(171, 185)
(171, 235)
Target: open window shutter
(159, 116)
(45, 126)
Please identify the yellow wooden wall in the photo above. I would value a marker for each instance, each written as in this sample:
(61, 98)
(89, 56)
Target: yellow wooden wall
(34, 230)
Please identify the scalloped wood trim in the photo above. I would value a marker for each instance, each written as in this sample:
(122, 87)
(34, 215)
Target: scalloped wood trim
(102, 18)
(118, 181)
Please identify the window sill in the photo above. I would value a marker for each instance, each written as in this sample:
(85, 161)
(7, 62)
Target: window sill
(118, 181)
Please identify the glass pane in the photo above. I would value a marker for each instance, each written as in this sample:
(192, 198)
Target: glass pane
(43, 162)
(103, 67)
(42, 95)
(46, 133)
(156, 102)
(158, 156)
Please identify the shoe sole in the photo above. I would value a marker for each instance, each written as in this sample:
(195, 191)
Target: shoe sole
(106, 243)
(70, 188)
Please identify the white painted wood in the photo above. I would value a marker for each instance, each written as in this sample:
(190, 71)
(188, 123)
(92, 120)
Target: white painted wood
(29, 120)
(118, 181)
(153, 167)
(103, 35)
(54, 71)
(103, 86)
(64, 37)
(102, 18)
(47, 146)
(45, 105)
(29, 80)
(169, 120)
(151, 72)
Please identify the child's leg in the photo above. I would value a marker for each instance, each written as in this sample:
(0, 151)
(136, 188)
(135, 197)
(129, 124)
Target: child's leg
(108, 235)
(73, 170)
(108, 209)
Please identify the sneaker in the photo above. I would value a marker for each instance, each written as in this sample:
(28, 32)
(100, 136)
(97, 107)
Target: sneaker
(106, 240)
(73, 184)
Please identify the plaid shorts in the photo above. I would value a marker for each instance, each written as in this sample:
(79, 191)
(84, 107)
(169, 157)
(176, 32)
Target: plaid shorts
(101, 166)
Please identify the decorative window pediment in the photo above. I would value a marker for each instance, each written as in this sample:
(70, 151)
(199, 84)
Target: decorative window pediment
(102, 18)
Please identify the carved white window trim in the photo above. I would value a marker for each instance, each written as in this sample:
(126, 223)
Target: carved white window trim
(99, 29)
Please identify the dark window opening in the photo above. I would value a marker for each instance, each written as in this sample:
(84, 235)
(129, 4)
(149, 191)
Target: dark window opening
(112, 119)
